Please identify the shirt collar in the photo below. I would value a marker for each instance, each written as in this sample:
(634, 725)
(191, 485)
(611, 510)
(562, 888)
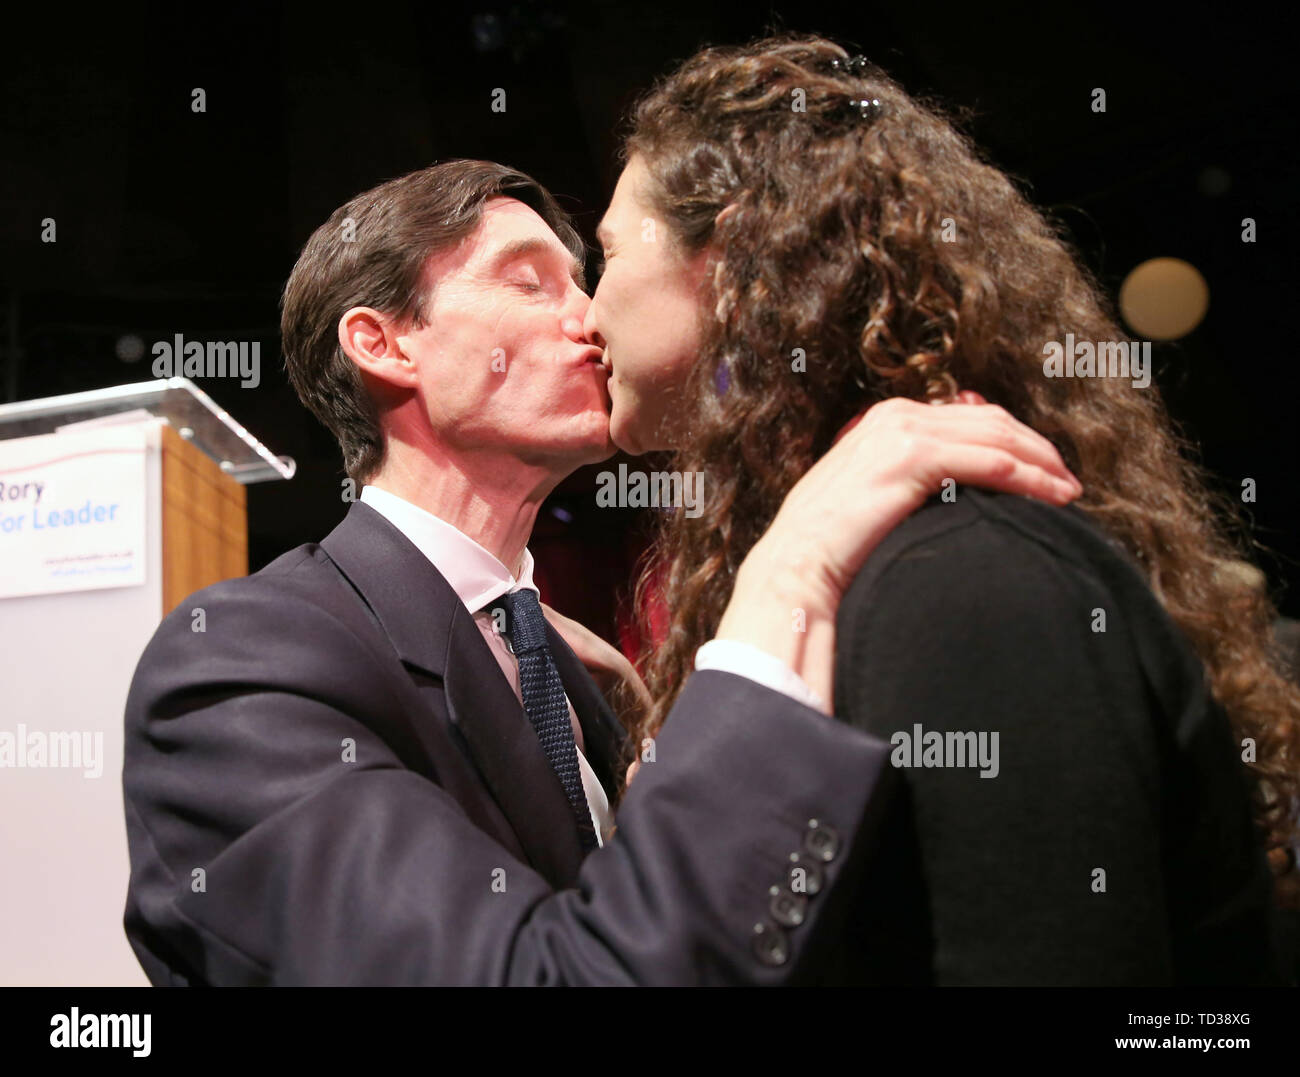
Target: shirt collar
(476, 575)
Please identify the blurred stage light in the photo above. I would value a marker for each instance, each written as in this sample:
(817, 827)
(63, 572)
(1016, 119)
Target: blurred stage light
(1164, 299)
(129, 348)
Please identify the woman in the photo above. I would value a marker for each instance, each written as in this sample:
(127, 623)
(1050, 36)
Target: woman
(794, 239)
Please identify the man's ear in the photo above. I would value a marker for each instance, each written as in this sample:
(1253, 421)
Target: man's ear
(371, 341)
(724, 214)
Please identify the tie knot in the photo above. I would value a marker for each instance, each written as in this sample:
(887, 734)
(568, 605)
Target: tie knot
(525, 624)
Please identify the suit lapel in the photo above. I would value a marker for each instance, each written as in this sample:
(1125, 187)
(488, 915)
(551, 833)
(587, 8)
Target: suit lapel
(432, 631)
(509, 755)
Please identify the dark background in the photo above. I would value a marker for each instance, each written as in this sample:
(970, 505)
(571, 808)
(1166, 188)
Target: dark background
(175, 222)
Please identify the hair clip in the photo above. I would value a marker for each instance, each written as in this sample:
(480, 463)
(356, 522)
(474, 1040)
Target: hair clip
(858, 66)
(854, 65)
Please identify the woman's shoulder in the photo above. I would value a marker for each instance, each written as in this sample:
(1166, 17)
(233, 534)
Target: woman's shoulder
(990, 574)
(986, 542)
(1038, 589)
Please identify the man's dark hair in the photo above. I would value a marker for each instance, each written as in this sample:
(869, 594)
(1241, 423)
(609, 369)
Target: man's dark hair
(372, 252)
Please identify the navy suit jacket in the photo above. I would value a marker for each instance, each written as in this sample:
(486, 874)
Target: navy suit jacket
(333, 783)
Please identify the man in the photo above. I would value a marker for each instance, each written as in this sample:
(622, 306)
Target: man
(379, 764)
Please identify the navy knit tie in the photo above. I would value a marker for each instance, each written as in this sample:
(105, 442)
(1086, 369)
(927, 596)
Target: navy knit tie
(545, 702)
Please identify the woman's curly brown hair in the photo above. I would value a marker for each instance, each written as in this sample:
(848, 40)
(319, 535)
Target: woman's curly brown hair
(874, 242)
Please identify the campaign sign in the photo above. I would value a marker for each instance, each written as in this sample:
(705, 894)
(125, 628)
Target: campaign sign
(72, 511)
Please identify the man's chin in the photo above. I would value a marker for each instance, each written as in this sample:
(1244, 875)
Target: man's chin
(604, 452)
(600, 447)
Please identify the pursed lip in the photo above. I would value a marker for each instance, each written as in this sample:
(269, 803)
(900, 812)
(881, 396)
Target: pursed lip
(595, 355)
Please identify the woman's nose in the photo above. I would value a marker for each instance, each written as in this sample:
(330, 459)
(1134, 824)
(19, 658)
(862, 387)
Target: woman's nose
(590, 330)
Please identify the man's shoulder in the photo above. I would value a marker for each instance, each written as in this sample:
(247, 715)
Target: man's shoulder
(303, 576)
(294, 617)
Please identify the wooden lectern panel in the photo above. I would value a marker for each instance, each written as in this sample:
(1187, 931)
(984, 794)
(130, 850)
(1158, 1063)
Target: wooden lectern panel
(204, 524)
